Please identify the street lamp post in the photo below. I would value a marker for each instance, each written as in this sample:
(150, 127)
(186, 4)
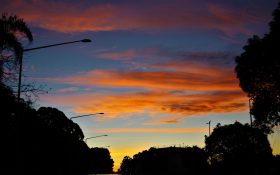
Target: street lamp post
(41, 47)
(94, 137)
(85, 115)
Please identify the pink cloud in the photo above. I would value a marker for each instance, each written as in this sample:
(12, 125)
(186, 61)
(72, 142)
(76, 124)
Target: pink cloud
(232, 21)
(67, 90)
(73, 17)
(131, 54)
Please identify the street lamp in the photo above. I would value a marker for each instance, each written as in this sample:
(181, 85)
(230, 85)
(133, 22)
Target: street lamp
(94, 137)
(86, 115)
(41, 47)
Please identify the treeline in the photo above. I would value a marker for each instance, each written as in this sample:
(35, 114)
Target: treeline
(45, 142)
(171, 160)
(234, 149)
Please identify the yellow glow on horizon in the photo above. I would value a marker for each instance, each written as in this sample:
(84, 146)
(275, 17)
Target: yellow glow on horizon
(118, 154)
(274, 140)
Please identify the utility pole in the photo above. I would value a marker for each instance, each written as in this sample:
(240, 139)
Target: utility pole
(209, 123)
(19, 77)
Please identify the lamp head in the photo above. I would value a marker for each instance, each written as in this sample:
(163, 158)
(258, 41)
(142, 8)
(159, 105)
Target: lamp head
(86, 40)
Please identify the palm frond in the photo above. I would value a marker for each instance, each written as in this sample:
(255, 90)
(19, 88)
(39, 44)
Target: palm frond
(14, 24)
(9, 41)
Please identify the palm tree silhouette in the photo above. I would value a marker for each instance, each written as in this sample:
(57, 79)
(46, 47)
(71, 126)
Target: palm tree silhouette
(12, 30)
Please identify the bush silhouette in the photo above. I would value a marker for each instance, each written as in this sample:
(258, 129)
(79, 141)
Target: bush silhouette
(238, 149)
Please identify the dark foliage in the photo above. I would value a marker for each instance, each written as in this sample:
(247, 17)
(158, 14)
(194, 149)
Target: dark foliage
(60, 143)
(258, 70)
(126, 166)
(100, 161)
(238, 149)
(11, 130)
(167, 161)
(57, 121)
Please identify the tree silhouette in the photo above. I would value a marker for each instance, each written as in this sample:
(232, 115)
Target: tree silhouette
(56, 120)
(12, 29)
(238, 149)
(50, 143)
(258, 70)
(100, 161)
(59, 144)
(126, 166)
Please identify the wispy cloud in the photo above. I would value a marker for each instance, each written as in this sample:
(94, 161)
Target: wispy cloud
(196, 80)
(132, 54)
(149, 130)
(171, 58)
(67, 90)
(164, 121)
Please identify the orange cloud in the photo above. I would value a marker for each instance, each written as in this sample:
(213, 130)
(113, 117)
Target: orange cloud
(130, 54)
(153, 104)
(194, 79)
(106, 16)
(192, 89)
(126, 55)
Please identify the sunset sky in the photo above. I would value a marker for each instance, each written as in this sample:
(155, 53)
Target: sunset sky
(158, 69)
